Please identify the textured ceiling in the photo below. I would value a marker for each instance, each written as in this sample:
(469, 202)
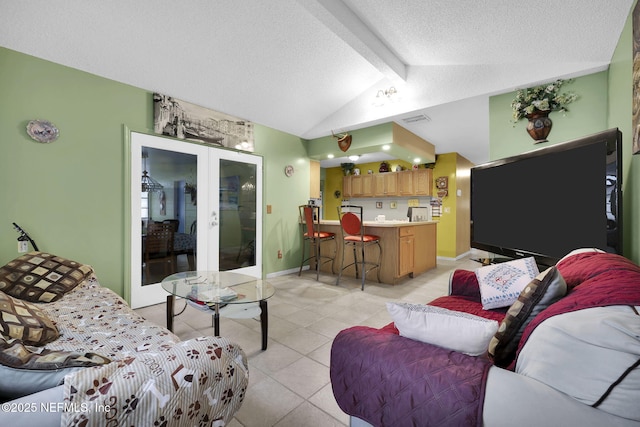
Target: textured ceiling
(308, 67)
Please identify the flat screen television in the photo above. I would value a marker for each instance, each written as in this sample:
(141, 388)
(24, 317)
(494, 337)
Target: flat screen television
(550, 201)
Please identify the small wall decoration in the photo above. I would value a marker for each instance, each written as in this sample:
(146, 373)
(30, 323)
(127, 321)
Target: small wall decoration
(442, 184)
(184, 120)
(42, 131)
(635, 109)
(344, 140)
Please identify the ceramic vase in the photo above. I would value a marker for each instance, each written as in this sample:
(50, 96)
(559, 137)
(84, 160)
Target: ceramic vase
(539, 125)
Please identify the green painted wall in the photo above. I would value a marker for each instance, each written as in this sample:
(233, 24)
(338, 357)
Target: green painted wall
(69, 195)
(604, 103)
(620, 116)
(284, 194)
(586, 115)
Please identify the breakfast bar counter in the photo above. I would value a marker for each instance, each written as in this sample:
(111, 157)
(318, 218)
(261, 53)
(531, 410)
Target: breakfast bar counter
(408, 248)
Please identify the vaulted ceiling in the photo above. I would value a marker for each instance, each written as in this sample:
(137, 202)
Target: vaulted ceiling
(308, 67)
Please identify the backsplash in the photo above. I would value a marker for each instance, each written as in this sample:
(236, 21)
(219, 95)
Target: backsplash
(399, 213)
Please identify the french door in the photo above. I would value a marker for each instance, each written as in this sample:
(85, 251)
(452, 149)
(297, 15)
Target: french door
(193, 207)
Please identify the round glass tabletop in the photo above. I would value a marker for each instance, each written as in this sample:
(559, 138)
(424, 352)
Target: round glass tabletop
(223, 287)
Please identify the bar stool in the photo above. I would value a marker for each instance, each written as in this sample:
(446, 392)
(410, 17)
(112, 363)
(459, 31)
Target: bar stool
(353, 235)
(310, 216)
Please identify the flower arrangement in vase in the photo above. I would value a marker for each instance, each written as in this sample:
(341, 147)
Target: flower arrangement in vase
(535, 103)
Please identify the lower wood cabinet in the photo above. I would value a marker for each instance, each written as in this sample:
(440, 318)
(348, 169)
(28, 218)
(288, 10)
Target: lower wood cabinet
(407, 250)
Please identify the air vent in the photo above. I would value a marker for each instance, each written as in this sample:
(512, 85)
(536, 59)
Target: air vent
(418, 118)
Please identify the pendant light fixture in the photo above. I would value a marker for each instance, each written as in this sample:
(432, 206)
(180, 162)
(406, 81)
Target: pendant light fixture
(149, 185)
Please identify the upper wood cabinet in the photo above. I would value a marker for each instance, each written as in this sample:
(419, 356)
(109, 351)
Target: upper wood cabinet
(346, 187)
(356, 186)
(385, 184)
(422, 182)
(405, 183)
(367, 185)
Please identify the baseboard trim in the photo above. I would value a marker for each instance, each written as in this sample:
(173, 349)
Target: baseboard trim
(457, 258)
(285, 272)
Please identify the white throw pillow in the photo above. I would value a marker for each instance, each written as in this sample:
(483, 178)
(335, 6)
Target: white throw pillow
(501, 284)
(587, 352)
(450, 329)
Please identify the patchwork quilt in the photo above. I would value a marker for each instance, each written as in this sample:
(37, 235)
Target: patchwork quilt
(154, 378)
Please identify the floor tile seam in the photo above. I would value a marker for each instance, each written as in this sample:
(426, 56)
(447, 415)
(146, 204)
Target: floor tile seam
(307, 400)
(298, 351)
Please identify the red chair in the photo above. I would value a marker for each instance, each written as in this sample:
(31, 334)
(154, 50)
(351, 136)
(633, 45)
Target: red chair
(310, 217)
(353, 235)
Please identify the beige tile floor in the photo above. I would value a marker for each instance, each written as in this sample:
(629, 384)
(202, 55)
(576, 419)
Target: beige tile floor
(289, 382)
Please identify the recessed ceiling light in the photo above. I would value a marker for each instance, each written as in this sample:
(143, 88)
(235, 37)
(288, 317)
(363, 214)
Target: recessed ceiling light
(354, 157)
(329, 156)
(385, 147)
(416, 160)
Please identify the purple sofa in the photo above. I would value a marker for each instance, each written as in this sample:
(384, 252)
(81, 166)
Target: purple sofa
(573, 363)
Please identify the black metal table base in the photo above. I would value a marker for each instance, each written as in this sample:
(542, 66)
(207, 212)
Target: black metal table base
(264, 318)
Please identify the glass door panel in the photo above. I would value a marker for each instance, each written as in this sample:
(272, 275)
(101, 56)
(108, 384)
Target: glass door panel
(169, 229)
(165, 235)
(239, 198)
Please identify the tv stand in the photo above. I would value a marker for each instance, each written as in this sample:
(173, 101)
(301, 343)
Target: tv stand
(489, 261)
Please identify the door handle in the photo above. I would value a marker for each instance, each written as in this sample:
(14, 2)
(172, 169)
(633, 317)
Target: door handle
(214, 219)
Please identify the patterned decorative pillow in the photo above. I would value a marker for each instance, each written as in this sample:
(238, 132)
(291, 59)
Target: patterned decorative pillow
(500, 284)
(41, 277)
(24, 321)
(547, 288)
(439, 326)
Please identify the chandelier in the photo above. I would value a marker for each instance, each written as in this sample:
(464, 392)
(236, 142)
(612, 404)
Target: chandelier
(149, 185)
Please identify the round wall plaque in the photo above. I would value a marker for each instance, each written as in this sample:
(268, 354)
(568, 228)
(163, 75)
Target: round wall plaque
(42, 131)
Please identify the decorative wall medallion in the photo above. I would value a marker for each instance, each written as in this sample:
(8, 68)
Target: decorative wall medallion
(288, 170)
(42, 131)
(344, 140)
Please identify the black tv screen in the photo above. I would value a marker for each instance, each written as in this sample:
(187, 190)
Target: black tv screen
(548, 202)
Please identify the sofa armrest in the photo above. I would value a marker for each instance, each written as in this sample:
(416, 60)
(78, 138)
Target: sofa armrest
(513, 399)
(387, 379)
(464, 283)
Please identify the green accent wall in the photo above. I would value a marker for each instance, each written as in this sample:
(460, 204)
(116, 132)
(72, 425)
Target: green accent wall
(604, 103)
(620, 91)
(69, 195)
(586, 115)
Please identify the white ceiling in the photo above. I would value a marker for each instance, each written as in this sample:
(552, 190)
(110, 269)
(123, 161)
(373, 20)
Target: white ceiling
(308, 67)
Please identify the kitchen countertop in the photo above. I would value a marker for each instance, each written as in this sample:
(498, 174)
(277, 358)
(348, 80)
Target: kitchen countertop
(387, 223)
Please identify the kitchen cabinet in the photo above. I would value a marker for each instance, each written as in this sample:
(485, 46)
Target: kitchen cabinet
(367, 185)
(346, 187)
(422, 182)
(385, 184)
(356, 185)
(406, 251)
(405, 183)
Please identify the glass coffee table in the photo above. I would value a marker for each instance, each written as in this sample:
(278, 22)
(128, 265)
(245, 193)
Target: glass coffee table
(218, 289)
